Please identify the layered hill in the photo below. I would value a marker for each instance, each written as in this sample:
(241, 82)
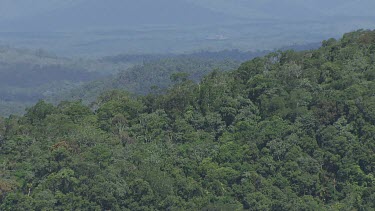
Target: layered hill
(29, 75)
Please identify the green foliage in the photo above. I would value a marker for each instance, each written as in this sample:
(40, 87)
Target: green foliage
(152, 76)
(289, 131)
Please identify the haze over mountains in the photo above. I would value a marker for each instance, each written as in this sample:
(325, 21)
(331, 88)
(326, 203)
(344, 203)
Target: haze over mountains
(96, 27)
(114, 13)
(121, 12)
(290, 9)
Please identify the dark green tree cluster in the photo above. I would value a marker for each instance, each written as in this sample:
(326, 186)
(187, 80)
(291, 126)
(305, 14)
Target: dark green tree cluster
(289, 131)
(149, 77)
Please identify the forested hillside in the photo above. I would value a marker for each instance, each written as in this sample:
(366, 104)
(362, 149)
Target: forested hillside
(153, 71)
(288, 131)
(29, 75)
(151, 76)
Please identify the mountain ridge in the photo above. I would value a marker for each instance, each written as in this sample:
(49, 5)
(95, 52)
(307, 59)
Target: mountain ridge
(114, 13)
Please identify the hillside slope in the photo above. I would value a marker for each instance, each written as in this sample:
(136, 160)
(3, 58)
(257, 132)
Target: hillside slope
(288, 131)
(155, 71)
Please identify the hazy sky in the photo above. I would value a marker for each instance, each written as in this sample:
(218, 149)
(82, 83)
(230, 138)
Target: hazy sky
(248, 8)
(10, 9)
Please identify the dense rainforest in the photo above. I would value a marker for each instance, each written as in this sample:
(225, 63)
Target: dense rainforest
(287, 131)
(150, 76)
(152, 72)
(27, 76)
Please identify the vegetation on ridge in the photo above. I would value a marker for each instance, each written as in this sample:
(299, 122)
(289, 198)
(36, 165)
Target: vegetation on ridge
(288, 131)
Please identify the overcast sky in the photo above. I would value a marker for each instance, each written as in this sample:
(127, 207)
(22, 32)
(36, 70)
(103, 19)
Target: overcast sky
(238, 8)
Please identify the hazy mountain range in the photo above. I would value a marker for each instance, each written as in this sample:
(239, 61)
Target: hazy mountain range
(101, 27)
(75, 14)
(290, 9)
(88, 14)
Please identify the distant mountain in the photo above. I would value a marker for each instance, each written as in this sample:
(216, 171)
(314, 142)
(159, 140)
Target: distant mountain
(60, 15)
(86, 14)
(289, 9)
(13, 9)
(109, 27)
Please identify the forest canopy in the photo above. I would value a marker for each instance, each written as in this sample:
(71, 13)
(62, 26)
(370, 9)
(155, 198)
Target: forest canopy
(287, 131)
